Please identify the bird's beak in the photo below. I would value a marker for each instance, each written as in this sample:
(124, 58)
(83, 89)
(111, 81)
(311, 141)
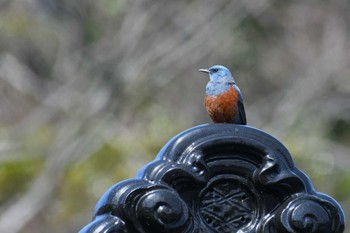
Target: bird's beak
(204, 71)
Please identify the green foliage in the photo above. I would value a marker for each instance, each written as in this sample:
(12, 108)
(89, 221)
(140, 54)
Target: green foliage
(340, 132)
(116, 160)
(342, 186)
(16, 176)
(89, 178)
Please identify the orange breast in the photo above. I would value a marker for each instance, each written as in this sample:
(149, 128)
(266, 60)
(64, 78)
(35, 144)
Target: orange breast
(223, 108)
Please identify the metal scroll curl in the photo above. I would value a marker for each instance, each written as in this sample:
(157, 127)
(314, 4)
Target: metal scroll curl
(304, 213)
(218, 178)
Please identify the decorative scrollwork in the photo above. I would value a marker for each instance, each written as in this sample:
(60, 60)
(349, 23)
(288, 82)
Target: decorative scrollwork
(105, 224)
(218, 178)
(161, 209)
(309, 214)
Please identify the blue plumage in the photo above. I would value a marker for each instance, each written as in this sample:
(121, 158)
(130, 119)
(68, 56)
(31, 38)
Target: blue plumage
(223, 100)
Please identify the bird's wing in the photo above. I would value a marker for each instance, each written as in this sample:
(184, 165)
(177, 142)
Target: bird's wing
(241, 110)
(240, 104)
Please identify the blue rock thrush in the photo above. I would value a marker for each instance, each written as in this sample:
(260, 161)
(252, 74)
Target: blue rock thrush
(223, 99)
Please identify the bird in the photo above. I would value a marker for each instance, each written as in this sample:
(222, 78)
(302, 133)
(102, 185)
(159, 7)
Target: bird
(223, 99)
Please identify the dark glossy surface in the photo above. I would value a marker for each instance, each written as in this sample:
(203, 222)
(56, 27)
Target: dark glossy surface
(218, 178)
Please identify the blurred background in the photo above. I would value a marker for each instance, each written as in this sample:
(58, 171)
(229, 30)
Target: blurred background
(91, 90)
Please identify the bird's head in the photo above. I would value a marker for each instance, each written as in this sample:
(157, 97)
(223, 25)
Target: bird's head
(218, 73)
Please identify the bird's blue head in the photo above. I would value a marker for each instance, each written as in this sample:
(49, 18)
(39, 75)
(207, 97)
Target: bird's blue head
(219, 73)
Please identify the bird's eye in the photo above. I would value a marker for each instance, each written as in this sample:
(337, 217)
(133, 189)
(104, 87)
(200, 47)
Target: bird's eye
(215, 70)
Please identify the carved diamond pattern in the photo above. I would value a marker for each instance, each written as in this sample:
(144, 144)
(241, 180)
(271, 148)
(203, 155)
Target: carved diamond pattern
(226, 207)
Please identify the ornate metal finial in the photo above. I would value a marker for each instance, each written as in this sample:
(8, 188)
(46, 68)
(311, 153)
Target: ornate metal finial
(218, 178)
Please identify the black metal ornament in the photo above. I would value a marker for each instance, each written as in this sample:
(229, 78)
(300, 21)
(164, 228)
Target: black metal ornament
(218, 178)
